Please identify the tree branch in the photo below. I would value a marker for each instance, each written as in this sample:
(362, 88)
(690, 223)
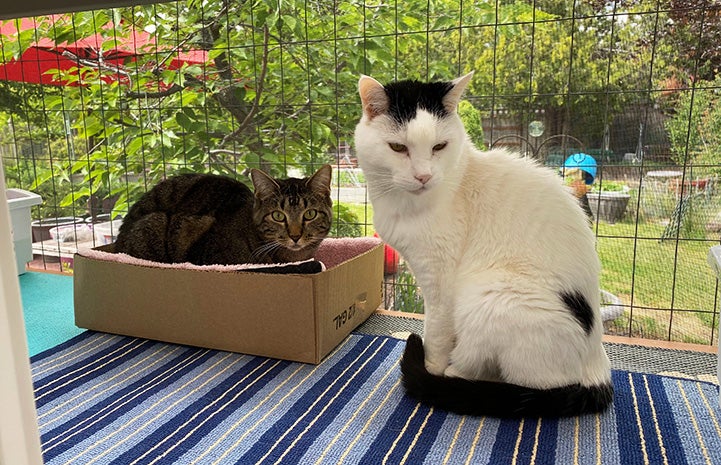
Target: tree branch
(217, 161)
(258, 91)
(225, 152)
(97, 64)
(174, 89)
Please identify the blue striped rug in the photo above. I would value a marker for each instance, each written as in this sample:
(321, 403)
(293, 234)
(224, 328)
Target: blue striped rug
(105, 399)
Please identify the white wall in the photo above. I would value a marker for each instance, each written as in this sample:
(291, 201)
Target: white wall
(19, 438)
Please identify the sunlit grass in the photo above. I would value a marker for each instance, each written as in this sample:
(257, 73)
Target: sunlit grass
(671, 280)
(364, 213)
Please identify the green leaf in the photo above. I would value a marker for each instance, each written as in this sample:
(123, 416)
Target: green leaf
(78, 165)
(444, 22)
(134, 145)
(167, 137)
(73, 196)
(41, 179)
(117, 17)
(53, 101)
(290, 22)
(184, 121)
(240, 92)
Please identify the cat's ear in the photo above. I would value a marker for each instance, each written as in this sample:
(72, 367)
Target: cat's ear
(320, 181)
(453, 97)
(264, 185)
(373, 96)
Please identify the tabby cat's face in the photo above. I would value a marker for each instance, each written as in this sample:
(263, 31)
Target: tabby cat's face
(410, 134)
(293, 214)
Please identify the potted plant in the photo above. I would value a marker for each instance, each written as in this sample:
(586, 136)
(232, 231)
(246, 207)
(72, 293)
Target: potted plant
(608, 201)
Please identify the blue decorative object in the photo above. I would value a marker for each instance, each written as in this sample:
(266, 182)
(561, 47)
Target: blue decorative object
(585, 163)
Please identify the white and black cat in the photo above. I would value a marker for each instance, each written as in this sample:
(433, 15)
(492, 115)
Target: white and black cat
(502, 252)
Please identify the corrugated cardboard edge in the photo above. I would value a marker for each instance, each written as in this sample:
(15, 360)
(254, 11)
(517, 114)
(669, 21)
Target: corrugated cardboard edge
(351, 294)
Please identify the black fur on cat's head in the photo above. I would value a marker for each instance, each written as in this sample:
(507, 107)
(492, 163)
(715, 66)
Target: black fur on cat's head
(406, 97)
(293, 214)
(401, 100)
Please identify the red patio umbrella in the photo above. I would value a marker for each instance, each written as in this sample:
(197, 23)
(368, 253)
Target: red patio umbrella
(39, 59)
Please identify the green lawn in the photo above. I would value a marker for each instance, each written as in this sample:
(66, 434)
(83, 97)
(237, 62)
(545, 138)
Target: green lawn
(663, 276)
(363, 211)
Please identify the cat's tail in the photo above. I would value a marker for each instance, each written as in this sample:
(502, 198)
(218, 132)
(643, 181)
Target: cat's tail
(487, 398)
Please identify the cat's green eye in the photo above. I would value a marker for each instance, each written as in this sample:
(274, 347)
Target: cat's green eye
(440, 146)
(310, 214)
(400, 148)
(278, 216)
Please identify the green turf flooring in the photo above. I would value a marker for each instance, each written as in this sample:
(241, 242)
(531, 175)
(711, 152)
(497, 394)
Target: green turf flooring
(48, 309)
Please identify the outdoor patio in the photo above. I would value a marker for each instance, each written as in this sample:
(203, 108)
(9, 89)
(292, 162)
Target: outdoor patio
(98, 106)
(118, 373)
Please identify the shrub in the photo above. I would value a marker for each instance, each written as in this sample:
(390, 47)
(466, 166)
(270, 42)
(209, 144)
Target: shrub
(695, 128)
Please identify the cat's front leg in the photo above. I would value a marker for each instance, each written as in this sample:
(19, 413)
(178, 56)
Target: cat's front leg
(438, 340)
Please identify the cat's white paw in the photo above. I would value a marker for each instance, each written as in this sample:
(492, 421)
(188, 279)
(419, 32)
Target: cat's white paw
(453, 372)
(436, 367)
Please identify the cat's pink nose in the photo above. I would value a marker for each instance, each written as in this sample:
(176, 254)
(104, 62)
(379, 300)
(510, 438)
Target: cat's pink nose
(423, 178)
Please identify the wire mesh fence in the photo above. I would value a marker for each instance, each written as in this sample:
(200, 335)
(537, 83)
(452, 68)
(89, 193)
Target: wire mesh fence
(97, 107)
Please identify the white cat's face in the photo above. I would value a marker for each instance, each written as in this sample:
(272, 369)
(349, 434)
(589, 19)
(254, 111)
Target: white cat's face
(410, 136)
(412, 157)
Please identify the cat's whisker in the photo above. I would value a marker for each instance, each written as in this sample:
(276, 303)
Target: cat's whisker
(384, 186)
(265, 250)
(384, 192)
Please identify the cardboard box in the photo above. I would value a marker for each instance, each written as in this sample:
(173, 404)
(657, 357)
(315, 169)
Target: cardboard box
(19, 203)
(299, 317)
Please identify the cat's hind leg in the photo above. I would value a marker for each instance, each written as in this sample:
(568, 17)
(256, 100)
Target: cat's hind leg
(146, 238)
(184, 231)
(552, 348)
(522, 334)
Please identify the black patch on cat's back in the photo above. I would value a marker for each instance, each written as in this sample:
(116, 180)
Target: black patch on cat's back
(406, 97)
(579, 308)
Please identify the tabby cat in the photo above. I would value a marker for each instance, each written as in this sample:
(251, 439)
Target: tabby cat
(208, 219)
(502, 252)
